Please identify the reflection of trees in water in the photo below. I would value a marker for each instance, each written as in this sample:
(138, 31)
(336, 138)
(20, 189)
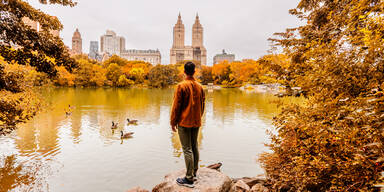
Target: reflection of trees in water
(101, 105)
(14, 176)
(222, 104)
(226, 102)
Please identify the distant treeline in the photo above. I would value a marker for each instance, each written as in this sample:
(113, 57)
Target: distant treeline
(119, 72)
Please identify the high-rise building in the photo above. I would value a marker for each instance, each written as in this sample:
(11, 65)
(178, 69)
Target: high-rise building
(222, 57)
(181, 52)
(94, 50)
(77, 43)
(111, 43)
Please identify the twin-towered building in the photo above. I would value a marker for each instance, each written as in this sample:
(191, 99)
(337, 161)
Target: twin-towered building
(180, 52)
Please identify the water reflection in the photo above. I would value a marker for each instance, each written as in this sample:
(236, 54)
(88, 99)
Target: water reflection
(89, 156)
(16, 177)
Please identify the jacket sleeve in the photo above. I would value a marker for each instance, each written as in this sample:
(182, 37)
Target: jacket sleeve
(202, 102)
(176, 106)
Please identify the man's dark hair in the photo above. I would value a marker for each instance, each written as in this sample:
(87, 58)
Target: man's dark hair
(189, 68)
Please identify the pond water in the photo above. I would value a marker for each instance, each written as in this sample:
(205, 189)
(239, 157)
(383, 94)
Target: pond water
(80, 152)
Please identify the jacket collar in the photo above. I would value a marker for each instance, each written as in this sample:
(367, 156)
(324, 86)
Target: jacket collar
(190, 78)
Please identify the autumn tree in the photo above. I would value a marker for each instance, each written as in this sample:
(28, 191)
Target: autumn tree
(137, 74)
(113, 73)
(163, 76)
(280, 66)
(115, 59)
(335, 141)
(64, 78)
(39, 51)
(33, 46)
(18, 102)
(124, 82)
(89, 74)
(221, 72)
(206, 75)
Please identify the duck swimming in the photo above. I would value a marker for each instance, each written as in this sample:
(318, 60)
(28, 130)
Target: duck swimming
(114, 125)
(126, 135)
(133, 121)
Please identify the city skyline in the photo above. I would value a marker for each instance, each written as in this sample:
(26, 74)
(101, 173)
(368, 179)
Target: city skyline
(244, 32)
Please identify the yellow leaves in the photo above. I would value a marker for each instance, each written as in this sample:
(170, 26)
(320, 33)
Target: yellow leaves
(123, 81)
(367, 35)
(137, 73)
(362, 16)
(17, 107)
(64, 78)
(239, 72)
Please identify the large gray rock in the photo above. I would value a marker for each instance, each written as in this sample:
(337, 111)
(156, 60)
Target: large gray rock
(208, 180)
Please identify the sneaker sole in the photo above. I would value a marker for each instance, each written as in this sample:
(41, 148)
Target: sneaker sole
(186, 185)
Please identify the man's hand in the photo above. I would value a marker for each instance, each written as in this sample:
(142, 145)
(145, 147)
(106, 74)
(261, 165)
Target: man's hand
(174, 128)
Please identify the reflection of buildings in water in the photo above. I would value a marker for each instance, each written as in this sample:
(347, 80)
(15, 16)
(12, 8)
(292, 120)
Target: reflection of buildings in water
(76, 126)
(39, 135)
(48, 134)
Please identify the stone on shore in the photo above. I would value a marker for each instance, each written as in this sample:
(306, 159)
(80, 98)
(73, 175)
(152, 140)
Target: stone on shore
(208, 180)
(240, 186)
(251, 181)
(259, 188)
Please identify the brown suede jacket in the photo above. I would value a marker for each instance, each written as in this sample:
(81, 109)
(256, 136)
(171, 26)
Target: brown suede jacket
(188, 104)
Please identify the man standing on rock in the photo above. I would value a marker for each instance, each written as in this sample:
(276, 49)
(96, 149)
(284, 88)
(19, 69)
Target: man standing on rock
(187, 110)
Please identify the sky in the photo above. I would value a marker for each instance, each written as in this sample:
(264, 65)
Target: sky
(241, 27)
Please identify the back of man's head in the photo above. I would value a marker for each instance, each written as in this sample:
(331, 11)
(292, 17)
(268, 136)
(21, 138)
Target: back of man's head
(189, 68)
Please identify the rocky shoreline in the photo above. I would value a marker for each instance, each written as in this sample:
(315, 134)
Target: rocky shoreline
(273, 88)
(209, 180)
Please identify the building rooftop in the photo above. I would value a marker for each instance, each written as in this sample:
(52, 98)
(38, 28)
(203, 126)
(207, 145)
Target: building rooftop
(224, 54)
(141, 51)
